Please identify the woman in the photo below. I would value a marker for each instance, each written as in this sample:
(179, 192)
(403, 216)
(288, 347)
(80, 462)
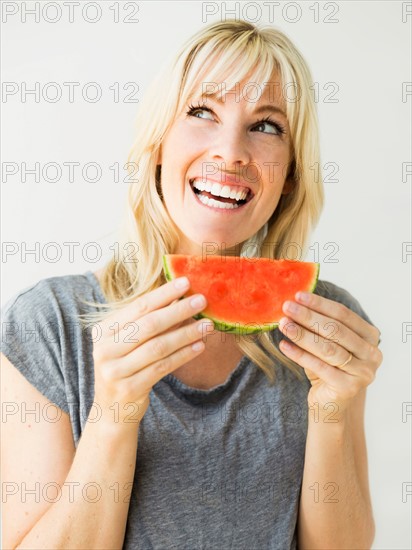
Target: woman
(165, 432)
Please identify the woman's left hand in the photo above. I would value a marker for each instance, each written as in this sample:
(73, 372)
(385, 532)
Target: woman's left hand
(336, 347)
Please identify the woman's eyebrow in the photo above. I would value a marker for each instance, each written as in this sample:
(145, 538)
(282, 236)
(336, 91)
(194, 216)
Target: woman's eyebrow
(272, 108)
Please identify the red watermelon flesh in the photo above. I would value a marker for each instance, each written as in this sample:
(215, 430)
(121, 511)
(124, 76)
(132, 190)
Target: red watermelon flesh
(244, 295)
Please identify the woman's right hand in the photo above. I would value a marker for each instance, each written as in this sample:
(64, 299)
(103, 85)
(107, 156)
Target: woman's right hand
(140, 344)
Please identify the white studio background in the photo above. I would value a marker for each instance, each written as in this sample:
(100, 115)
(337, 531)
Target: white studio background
(358, 55)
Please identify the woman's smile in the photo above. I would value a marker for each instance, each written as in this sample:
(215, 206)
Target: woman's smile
(221, 198)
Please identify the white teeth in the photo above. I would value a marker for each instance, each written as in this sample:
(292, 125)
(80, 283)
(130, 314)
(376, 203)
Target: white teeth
(216, 188)
(199, 184)
(217, 204)
(225, 192)
(220, 190)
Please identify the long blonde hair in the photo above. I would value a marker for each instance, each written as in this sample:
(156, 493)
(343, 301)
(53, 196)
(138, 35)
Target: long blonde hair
(220, 52)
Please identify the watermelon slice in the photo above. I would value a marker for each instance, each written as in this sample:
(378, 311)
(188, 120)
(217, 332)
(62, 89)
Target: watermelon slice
(243, 296)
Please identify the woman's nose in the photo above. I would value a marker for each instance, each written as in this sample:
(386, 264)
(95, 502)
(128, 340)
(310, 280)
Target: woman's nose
(230, 146)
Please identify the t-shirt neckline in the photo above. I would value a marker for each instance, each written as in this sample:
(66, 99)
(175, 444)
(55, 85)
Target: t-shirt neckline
(215, 390)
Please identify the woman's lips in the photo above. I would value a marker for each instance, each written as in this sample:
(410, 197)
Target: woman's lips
(239, 206)
(249, 196)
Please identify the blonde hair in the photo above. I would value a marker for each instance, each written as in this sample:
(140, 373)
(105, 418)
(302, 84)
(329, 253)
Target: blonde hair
(220, 52)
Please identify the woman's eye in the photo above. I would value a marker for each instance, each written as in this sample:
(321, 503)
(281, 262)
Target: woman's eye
(276, 128)
(193, 111)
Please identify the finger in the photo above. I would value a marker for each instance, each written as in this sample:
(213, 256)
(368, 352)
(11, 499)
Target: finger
(341, 313)
(161, 355)
(154, 324)
(333, 377)
(142, 305)
(159, 321)
(327, 329)
(147, 378)
(345, 384)
(329, 352)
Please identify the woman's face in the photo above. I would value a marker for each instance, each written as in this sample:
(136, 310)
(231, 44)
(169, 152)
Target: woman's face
(226, 151)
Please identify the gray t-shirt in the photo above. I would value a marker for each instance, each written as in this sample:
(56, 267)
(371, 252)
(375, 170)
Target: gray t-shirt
(216, 469)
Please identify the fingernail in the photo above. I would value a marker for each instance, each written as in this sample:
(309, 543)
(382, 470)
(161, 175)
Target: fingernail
(303, 297)
(181, 282)
(198, 301)
(285, 345)
(197, 346)
(291, 306)
(283, 322)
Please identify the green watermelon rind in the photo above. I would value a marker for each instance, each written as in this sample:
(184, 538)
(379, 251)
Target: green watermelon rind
(237, 328)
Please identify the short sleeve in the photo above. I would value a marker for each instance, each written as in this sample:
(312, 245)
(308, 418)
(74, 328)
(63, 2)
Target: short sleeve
(31, 326)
